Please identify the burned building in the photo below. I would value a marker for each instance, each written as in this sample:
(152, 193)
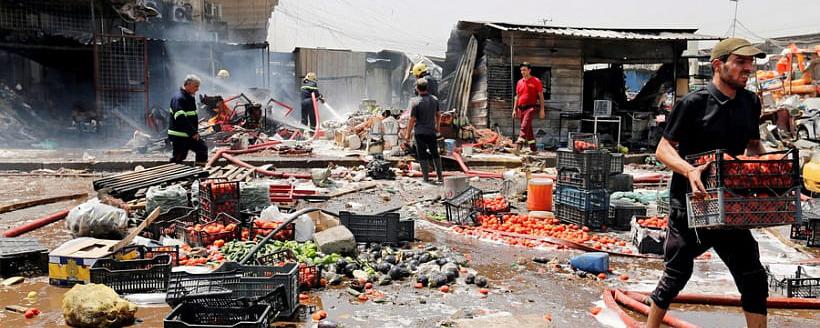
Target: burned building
(118, 61)
(577, 66)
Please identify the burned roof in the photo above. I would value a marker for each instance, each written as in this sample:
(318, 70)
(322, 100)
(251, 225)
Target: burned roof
(660, 34)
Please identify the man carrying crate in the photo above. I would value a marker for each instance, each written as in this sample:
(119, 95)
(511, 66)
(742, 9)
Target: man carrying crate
(724, 115)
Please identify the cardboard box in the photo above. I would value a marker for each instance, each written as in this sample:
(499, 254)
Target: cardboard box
(71, 263)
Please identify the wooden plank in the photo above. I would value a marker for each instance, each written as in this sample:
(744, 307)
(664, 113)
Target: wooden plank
(41, 201)
(149, 178)
(140, 175)
(127, 240)
(127, 174)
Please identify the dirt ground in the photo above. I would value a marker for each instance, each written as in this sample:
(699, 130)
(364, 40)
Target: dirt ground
(521, 292)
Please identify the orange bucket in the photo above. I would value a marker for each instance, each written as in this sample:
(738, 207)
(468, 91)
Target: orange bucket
(539, 194)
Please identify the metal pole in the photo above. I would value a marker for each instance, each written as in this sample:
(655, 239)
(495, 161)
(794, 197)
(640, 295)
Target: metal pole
(512, 78)
(734, 20)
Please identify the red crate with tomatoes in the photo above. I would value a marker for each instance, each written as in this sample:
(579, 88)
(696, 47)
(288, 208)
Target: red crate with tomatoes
(495, 204)
(225, 228)
(778, 171)
(309, 275)
(722, 208)
(218, 196)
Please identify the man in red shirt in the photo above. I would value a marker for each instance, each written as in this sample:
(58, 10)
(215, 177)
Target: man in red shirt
(528, 95)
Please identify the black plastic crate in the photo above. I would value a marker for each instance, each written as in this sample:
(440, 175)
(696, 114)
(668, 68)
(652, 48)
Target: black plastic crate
(145, 252)
(580, 142)
(646, 239)
(22, 256)
(193, 315)
(183, 285)
(620, 182)
(133, 276)
(620, 215)
(800, 285)
(724, 209)
(464, 208)
(166, 223)
(596, 179)
(813, 235)
(616, 163)
(310, 276)
(584, 162)
(588, 200)
(218, 196)
(372, 228)
(727, 171)
(407, 230)
(800, 231)
(574, 215)
(287, 275)
(662, 203)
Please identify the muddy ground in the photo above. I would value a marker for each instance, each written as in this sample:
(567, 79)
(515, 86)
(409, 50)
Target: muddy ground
(521, 293)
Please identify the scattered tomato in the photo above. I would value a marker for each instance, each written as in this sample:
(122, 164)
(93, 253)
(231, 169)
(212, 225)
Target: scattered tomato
(444, 289)
(602, 276)
(595, 310)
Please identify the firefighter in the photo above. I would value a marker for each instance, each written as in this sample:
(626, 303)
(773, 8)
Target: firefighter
(182, 130)
(310, 89)
(420, 71)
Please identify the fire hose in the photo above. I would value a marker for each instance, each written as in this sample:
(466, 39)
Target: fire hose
(722, 300)
(41, 222)
(609, 300)
(642, 308)
(227, 155)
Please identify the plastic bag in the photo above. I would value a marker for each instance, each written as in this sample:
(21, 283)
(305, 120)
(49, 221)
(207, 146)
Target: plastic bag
(165, 197)
(95, 219)
(254, 195)
(271, 213)
(305, 227)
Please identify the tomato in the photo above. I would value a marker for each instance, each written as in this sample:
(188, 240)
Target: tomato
(219, 243)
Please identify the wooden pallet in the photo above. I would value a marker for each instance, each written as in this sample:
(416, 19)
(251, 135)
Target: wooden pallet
(231, 172)
(126, 185)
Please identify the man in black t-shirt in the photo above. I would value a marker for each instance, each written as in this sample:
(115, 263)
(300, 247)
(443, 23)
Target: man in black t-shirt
(425, 117)
(724, 115)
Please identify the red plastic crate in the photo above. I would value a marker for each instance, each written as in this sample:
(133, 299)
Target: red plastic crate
(218, 196)
(204, 238)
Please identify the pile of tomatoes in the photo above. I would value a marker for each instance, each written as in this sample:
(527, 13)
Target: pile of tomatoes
(579, 145)
(525, 225)
(214, 258)
(653, 222)
(765, 171)
(262, 228)
(749, 210)
(207, 234)
(495, 204)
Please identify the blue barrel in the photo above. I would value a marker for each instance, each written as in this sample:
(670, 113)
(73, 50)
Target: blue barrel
(450, 145)
(594, 262)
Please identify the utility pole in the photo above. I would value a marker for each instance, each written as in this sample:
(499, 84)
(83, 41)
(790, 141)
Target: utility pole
(734, 20)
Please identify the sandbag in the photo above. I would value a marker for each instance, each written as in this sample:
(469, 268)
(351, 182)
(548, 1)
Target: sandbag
(97, 306)
(97, 220)
(165, 197)
(254, 195)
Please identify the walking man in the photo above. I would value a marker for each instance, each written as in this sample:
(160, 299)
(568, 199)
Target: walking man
(724, 115)
(184, 123)
(528, 96)
(424, 121)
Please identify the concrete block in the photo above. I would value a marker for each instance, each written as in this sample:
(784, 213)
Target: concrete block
(337, 239)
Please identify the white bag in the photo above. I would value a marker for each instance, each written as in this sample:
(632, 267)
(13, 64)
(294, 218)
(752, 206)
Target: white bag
(97, 220)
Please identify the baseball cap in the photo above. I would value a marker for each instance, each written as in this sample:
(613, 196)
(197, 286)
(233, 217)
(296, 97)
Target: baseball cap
(737, 46)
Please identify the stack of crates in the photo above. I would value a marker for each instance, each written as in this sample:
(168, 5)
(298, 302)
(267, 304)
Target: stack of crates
(581, 197)
(618, 181)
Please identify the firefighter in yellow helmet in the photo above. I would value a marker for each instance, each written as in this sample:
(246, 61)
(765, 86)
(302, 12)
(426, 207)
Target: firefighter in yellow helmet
(420, 71)
(310, 89)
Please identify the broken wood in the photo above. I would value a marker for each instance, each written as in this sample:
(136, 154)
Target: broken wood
(343, 192)
(38, 202)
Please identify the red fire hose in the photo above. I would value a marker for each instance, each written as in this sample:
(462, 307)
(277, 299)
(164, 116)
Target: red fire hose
(276, 174)
(772, 302)
(41, 222)
(609, 300)
(639, 307)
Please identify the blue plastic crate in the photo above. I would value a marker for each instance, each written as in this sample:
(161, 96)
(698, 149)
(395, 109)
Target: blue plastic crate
(588, 200)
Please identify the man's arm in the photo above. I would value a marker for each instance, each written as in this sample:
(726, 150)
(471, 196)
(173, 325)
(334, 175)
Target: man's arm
(515, 105)
(668, 155)
(410, 125)
(541, 101)
(438, 121)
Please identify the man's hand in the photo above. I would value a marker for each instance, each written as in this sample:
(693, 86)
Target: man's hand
(541, 113)
(514, 112)
(693, 175)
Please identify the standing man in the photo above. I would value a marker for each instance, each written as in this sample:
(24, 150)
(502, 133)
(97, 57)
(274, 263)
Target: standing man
(529, 95)
(724, 115)
(424, 121)
(421, 71)
(310, 89)
(184, 122)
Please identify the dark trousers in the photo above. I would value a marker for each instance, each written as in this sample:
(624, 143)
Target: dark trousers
(308, 113)
(181, 146)
(737, 248)
(426, 147)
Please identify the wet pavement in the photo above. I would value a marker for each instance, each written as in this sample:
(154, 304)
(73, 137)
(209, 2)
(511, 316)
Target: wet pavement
(521, 292)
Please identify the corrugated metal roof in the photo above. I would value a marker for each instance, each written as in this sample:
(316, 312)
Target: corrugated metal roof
(615, 34)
